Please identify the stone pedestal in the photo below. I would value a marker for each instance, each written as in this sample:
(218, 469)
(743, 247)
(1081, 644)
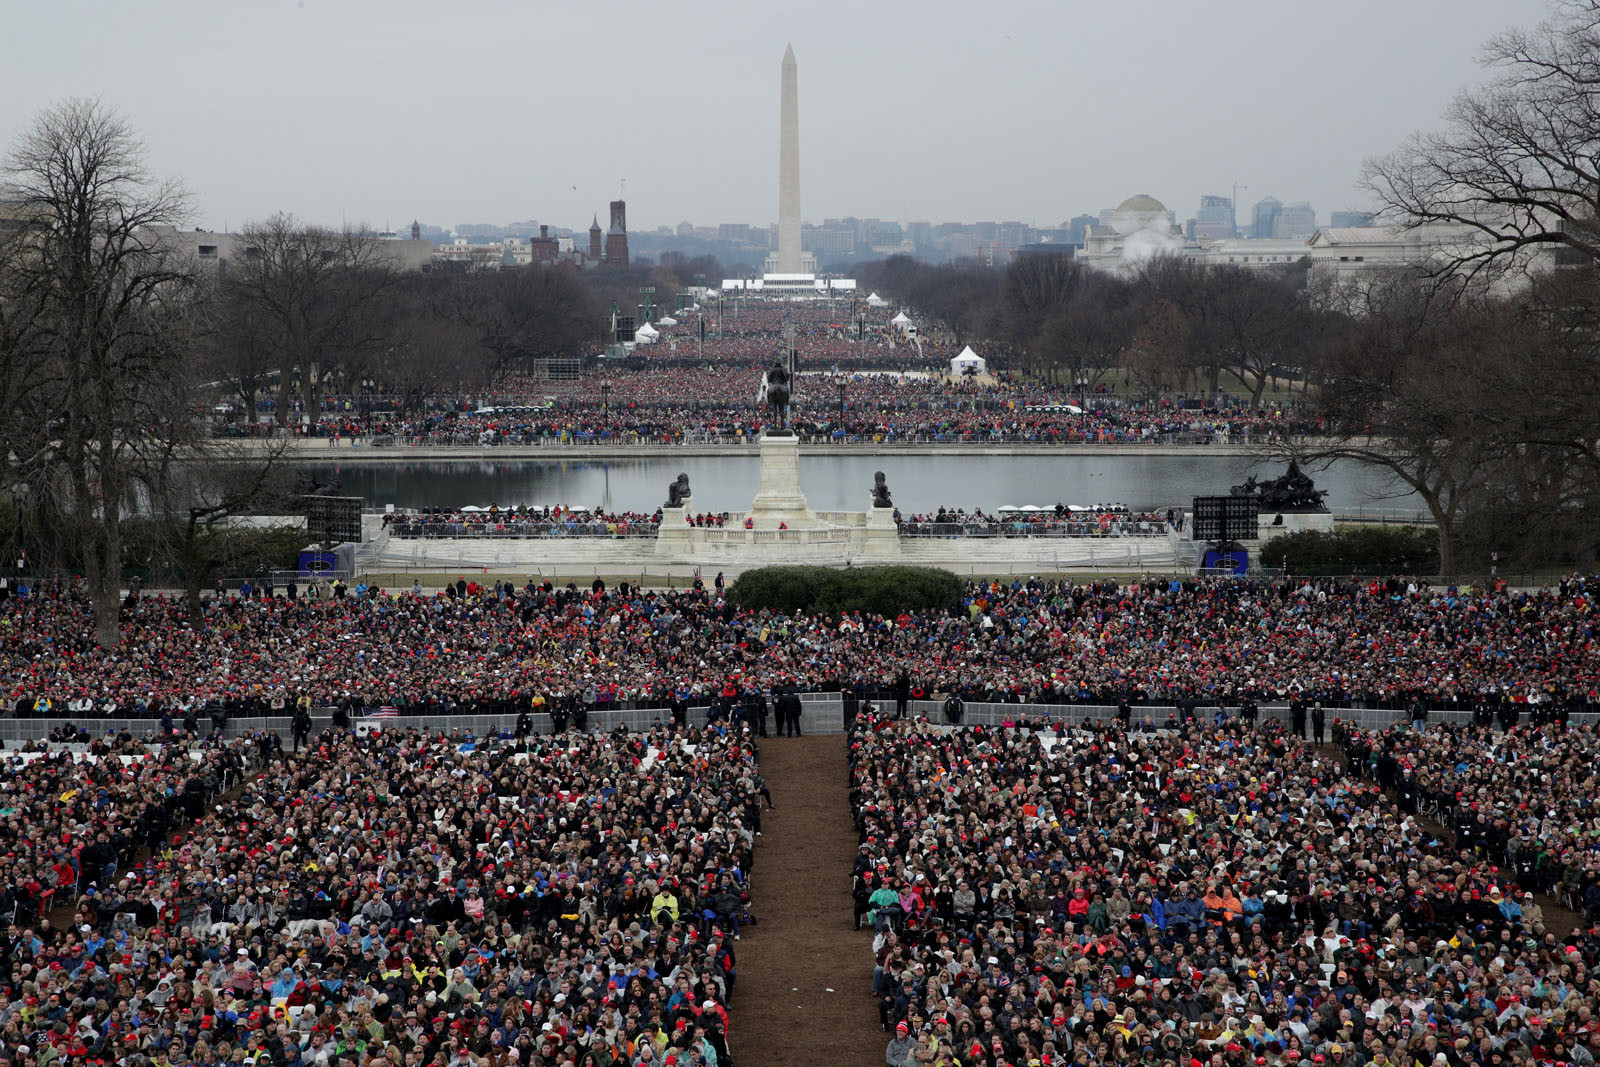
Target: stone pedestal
(1293, 522)
(883, 535)
(672, 538)
(778, 497)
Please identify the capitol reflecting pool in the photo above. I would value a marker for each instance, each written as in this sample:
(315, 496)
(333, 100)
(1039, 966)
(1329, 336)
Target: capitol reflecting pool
(842, 482)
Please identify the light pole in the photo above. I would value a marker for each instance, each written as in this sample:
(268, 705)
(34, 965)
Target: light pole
(605, 397)
(842, 390)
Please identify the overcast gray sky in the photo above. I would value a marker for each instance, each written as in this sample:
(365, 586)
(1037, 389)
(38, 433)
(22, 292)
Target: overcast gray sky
(946, 110)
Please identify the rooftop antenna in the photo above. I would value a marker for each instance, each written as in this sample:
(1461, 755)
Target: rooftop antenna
(622, 188)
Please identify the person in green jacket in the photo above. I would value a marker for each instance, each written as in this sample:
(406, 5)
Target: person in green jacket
(884, 905)
(1096, 917)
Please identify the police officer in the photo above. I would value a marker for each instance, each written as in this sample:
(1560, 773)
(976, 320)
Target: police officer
(300, 727)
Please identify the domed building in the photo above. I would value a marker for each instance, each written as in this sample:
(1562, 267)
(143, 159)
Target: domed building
(1141, 227)
(1140, 212)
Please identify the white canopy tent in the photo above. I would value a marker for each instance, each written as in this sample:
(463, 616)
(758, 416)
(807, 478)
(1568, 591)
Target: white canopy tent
(876, 301)
(666, 320)
(902, 320)
(646, 335)
(968, 360)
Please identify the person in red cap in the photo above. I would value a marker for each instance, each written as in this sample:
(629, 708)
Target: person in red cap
(899, 1052)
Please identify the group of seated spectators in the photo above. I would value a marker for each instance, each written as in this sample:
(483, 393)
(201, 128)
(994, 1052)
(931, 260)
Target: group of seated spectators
(1521, 795)
(1098, 520)
(1373, 642)
(399, 899)
(520, 521)
(1210, 895)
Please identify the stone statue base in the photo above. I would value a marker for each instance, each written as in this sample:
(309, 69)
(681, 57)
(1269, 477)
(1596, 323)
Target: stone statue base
(1293, 522)
(883, 535)
(778, 498)
(673, 536)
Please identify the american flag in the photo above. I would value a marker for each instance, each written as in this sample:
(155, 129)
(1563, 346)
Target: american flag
(387, 711)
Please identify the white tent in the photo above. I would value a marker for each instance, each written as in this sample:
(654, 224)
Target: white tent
(901, 320)
(876, 301)
(646, 335)
(968, 360)
(666, 320)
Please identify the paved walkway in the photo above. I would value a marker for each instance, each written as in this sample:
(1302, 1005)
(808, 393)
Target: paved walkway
(804, 975)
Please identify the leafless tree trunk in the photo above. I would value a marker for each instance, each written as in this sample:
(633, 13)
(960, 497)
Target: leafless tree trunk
(97, 356)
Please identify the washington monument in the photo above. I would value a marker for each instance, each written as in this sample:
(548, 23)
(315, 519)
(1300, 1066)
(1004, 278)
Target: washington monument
(789, 259)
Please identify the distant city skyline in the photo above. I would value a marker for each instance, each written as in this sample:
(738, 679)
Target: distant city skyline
(378, 113)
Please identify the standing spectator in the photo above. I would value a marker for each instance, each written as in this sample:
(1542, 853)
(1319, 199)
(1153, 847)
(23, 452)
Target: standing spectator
(789, 708)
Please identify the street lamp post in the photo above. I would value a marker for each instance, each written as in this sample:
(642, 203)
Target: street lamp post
(605, 396)
(842, 390)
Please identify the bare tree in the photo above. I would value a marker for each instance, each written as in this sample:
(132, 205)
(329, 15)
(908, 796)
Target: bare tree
(1085, 337)
(1154, 358)
(314, 293)
(239, 346)
(1518, 164)
(1034, 289)
(1193, 291)
(1258, 322)
(433, 350)
(529, 311)
(97, 358)
(196, 500)
(1405, 386)
(957, 297)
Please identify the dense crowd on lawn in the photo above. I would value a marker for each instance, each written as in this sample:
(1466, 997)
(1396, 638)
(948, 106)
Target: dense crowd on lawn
(395, 900)
(1522, 792)
(1221, 896)
(683, 417)
(1379, 642)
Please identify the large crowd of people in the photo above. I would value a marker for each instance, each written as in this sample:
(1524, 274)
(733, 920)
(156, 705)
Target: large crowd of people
(818, 415)
(1208, 889)
(1375, 642)
(1210, 895)
(395, 899)
(879, 388)
(1517, 789)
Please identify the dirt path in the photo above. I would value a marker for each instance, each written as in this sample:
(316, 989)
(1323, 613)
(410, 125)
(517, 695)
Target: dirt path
(803, 947)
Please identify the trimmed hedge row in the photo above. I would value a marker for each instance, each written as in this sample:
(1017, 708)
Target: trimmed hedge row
(1395, 548)
(831, 590)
